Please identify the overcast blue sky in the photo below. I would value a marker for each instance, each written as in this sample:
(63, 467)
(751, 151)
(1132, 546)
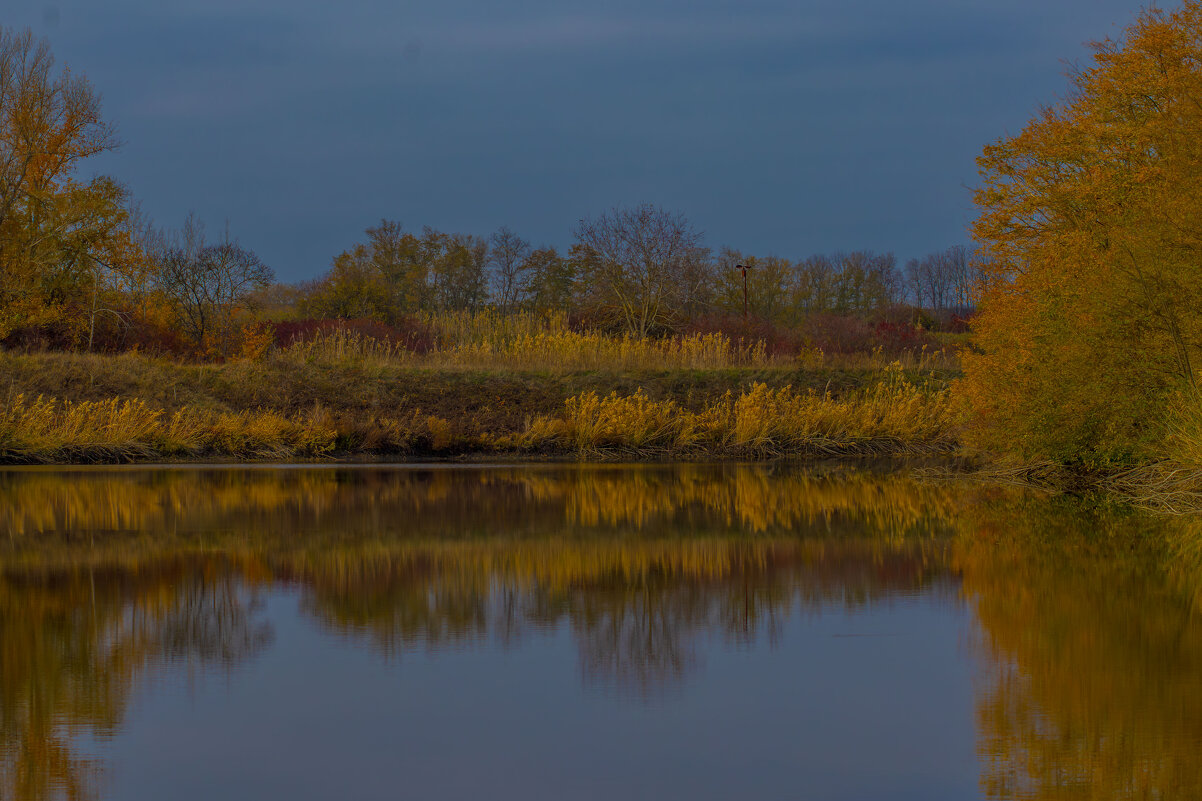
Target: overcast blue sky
(783, 128)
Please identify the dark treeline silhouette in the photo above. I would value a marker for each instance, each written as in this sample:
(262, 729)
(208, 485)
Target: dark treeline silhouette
(640, 269)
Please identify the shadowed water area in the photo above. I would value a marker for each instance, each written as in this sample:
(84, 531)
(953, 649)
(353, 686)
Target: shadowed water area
(589, 632)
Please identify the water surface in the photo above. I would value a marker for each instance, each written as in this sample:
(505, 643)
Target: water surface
(589, 632)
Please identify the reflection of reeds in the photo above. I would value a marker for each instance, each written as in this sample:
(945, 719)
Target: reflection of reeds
(750, 499)
(402, 554)
(105, 575)
(456, 503)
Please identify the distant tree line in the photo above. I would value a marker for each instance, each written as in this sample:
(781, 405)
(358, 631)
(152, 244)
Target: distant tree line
(641, 269)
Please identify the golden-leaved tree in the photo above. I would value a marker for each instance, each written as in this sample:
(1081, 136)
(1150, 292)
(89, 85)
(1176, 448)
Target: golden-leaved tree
(1091, 234)
(64, 243)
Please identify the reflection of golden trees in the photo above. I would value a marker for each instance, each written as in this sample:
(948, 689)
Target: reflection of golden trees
(1093, 654)
(74, 645)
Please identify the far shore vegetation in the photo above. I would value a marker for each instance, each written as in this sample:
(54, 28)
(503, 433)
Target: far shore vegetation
(1062, 348)
(344, 395)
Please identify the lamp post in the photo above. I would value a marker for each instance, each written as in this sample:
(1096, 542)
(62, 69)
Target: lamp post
(744, 268)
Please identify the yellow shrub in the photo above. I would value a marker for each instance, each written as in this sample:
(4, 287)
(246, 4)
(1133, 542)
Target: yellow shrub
(440, 432)
(315, 434)
(259, 434)
(257, 339)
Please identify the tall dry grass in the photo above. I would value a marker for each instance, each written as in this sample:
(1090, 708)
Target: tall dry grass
(542, 350)
(526, 341)
(45, 430)
(459, 329)
(893, 416)
(112, 429)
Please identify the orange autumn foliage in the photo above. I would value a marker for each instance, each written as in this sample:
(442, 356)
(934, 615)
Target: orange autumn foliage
(64, 244)
(1091, 252)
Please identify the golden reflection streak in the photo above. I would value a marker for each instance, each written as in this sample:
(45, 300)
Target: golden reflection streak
(751, 498)
(1090, 650)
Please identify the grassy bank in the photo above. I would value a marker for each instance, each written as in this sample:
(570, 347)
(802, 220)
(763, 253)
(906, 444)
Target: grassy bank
(343, 398)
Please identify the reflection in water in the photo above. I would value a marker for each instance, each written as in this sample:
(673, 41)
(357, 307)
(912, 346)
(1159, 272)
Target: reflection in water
(458, 503)
(74, 646)
(1092, 649)
(1089, 654)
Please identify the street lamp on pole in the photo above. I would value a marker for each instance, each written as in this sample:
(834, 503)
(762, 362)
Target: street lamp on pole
(744, 268)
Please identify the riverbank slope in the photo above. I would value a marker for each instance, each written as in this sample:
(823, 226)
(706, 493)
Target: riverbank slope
(86, 408)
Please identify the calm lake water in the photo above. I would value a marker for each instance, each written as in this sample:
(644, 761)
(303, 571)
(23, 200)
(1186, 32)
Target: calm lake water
(564, 632)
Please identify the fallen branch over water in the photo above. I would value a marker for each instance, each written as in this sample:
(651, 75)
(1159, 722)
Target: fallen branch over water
(1166, 487)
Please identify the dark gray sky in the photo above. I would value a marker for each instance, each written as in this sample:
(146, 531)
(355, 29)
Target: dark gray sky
(776, 127)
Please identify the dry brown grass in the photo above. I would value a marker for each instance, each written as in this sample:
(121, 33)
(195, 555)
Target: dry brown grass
(542, 350)
(891, 417)
(523, 341)
(510, 386)
(43, 430)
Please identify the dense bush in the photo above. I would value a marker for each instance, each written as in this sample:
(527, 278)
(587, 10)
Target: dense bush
(52, 336)
(1089, 326)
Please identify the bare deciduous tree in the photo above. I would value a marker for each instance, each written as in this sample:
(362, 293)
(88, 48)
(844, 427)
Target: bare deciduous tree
(944, 282)
(639, 262)
(550, 280)
(509, 258)
(207, 284)
(457, 270)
